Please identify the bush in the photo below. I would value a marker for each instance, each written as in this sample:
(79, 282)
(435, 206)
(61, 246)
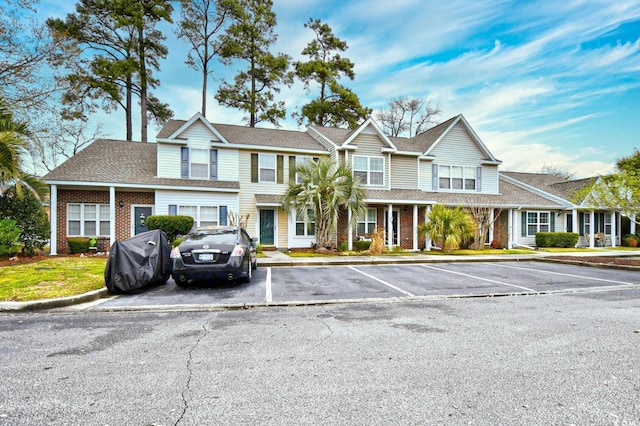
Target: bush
(9, 236)
(173, 226)
(361, 245)
(30, 217)
(630, 240)
(343, 246)
(556, 239)
(78, 245)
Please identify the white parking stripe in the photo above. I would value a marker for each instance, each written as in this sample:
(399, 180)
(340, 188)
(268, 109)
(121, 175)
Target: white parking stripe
(382, 282)
(268, 297)
(563, 274)
(478, 278)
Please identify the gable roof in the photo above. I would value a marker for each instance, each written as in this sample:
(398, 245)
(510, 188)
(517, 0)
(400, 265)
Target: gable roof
(113, 162)
(556, 185)
(249, 136)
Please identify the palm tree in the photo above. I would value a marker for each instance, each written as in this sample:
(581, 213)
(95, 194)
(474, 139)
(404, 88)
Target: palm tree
(448, 227)
(321, 189)
(12, 146)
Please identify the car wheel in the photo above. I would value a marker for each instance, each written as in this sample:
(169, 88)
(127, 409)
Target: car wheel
(254, 265)
(247, 279)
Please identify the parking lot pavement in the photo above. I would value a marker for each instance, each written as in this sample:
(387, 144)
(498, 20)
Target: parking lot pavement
(330, 284)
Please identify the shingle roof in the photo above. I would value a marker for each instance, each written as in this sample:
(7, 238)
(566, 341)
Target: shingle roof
(243, 135)
(510, 195)
(119, 162)
(552, 184)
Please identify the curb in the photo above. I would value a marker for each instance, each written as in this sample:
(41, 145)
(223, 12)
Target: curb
(54, 303)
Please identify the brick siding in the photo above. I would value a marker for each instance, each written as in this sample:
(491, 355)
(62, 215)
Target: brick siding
(123, 214)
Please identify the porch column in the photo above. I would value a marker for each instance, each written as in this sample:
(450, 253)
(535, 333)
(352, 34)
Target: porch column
(510, 237)
(613, 229)
(349, 231)
(492, 218)
(112, 215)
(632, 225)
(574, 222)
(53, 212)
(415, 227)
(592, 218)
(427, 244)
(390, 227)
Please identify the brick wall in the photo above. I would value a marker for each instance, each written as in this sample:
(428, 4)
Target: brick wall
(123, 214)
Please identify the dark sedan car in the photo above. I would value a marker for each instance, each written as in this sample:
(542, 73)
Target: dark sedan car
(214, 253)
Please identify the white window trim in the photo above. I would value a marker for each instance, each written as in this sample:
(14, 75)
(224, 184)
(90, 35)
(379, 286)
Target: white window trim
(306, 226)
(83, 220)
(198, 219)
(260, 167)
(538, 223)
(366, 221)
(465, 178)
(368, 171)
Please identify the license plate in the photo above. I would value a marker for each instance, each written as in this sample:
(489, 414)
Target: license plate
(205, 257)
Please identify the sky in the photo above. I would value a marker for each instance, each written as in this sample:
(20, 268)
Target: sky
(542, 83)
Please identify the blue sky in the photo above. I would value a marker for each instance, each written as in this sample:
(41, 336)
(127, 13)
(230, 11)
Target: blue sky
(541, 82)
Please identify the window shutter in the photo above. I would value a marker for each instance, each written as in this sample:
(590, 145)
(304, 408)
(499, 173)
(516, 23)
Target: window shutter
(479, 179)
(173, 209)
(280, 169)
(553, 221)
(213, 164)
(581, 223)
(223, 215)
(184, 162)
(569, 223)
(523, 231)
(254, 167)
(292, 168)
(434, 174)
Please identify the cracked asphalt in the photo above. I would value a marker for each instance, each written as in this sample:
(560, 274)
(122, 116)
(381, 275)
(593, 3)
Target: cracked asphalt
(567, 358)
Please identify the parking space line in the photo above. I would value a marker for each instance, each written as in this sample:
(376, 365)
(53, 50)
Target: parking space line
(268, 296)
(479, 278)
(382, 282)
(563, 274)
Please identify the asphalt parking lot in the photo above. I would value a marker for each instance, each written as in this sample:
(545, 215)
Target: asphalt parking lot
(330, 284)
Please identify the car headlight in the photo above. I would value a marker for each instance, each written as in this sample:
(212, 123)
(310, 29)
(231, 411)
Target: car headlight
(175, 253)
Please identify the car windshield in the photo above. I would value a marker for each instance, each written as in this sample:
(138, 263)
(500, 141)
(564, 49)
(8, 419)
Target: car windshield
(215, 237)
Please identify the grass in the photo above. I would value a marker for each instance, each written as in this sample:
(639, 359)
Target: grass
(51, 278)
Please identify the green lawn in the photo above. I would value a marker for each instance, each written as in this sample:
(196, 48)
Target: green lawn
(50, 278)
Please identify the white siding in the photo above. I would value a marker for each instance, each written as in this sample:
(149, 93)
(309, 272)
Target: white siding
(198, 133)
(168, 161)
(426, 173)
(194, 198)
(370, 145)
(489, 180)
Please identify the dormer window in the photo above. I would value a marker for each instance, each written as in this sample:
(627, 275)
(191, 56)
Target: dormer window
(198, 163)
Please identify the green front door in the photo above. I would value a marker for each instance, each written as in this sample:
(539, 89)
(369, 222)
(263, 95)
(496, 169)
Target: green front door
(267, 227)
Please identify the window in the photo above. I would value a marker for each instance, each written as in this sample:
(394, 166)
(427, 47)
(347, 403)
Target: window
(198, 163)
(300, 161)
(305, 226)
(538, 222)
(367, 225)
(202, 215)
(267, 167)
(369, 170)
(457, 177)
(88, 220)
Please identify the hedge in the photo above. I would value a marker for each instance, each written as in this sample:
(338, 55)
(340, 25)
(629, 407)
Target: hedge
(173, 226)
(556, 239)
(78, 245)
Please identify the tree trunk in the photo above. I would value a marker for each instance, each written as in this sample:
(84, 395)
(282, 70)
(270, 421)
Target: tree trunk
(143, 86)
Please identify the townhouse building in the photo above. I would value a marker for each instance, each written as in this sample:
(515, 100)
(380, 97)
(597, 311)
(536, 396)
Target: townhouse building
(212, 171)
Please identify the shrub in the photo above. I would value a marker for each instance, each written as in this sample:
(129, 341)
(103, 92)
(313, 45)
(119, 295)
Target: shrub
(30, 217)
(377, 242)
(78, 245)
(361, 245)
(556, 239)
(630, 240)
(173, 226)
(9, 236)
(343, 246)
